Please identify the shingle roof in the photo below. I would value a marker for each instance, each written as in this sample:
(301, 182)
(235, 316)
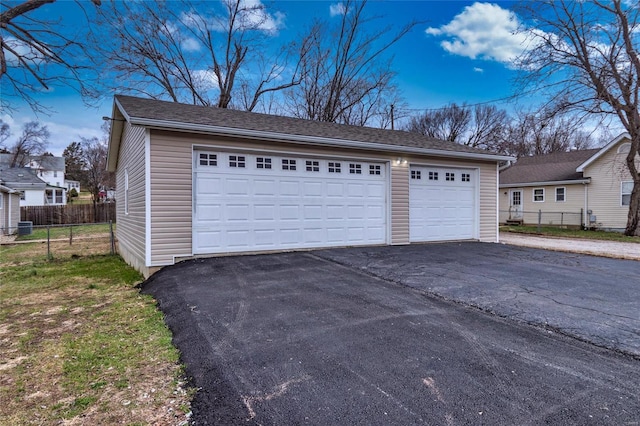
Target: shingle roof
(46, 162)
(141, 108)
(21, 178)
(555, 167)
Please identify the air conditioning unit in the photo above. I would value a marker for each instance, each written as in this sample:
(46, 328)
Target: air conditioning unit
(25, 228)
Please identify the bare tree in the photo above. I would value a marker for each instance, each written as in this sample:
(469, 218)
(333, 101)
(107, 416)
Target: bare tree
(450, 123)
(586, 54)
(480, 126)
(33, 141)
(94, 157)
(346, 76)
(35, 54)
(544, 132)
(205, 53)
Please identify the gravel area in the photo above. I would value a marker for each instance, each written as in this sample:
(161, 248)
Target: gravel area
(614, 249)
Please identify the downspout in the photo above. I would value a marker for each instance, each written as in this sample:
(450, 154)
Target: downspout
(586, 206)
(9, 215)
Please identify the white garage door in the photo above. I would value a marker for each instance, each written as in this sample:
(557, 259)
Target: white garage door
(247, 202)
(442, 204)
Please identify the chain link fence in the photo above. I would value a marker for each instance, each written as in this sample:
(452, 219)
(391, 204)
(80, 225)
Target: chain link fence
(59, 241)
(543, 218)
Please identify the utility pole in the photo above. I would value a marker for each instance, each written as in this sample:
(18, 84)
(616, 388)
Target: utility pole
(392, 124)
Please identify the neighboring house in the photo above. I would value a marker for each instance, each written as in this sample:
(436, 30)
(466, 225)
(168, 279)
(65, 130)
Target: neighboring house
(199, 181)
(584, 188)
(9, 209)
(72, 184)
(33, 190)
(50, 169)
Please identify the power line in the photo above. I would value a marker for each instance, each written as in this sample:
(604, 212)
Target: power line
(499, 100)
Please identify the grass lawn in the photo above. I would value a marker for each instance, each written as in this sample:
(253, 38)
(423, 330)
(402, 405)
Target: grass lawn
(553, 231)
(57, 232)
(80, 345)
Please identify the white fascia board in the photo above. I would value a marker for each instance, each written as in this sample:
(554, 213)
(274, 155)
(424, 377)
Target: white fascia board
(547, 183)
(8, 190)
(115, 138)
(311, 140)
(603, 151)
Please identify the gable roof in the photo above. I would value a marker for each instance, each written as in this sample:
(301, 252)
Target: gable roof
(21, 178)
(195, 118)
(603, 151)
(45, 162)
(557, 167)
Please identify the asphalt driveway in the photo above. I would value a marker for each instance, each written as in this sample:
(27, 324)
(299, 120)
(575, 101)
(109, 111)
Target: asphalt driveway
(360, 336)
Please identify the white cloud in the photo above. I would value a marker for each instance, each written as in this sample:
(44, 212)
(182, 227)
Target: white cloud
(190, 44)
(483, 30)
(337, 9)
(205, 79)
(479, 70)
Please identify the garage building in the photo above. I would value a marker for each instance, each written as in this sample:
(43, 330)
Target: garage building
(200, 181)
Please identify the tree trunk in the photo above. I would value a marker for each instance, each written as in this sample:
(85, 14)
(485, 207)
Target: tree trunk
(633, 220)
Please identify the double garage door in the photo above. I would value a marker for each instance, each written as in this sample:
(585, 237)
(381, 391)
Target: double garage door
(256, 202)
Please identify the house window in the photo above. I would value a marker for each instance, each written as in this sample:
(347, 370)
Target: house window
(59, 196)
(22, 196)
(626, 189)
(355, 169)
(263, 163)
(374, 169)
(334, 167)
(48, 196)
(624, 148)
(288, 164)
(560, 194)
(450, 177)
(538, 195)
(313, 166)
(208, 160)
(126, 191)
(237, 161)
(433, 175)
(465, 177)
(55, 174)
(415, 174)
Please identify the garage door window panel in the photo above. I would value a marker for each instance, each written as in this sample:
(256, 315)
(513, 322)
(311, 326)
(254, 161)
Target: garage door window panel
(238, 161)
(263, 163)
(288, 164)
(208, 159)
(312, 166)
(334, 167)
(355, 169)
(433, 175)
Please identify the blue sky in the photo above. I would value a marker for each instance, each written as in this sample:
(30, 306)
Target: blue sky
(459, 53)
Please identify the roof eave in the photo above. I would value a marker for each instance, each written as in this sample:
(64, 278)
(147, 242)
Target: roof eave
(118, 118)
(603, 151)
(546, 183)
(310, 140)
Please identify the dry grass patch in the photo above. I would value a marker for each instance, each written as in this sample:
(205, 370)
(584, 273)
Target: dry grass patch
(80, 345)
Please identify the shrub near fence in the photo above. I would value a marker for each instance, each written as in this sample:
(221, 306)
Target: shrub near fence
(69, 214)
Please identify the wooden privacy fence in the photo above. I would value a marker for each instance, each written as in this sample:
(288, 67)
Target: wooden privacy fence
(69, 214)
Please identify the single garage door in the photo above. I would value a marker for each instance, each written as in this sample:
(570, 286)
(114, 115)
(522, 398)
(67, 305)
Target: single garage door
(254, 202)
(442, 204)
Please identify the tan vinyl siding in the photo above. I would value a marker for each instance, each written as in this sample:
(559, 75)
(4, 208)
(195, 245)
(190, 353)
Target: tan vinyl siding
(554, 212)
(171, 158)
(488, 203)
(171, 205)
(606, 174)
(399, 204)
(131, 226)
